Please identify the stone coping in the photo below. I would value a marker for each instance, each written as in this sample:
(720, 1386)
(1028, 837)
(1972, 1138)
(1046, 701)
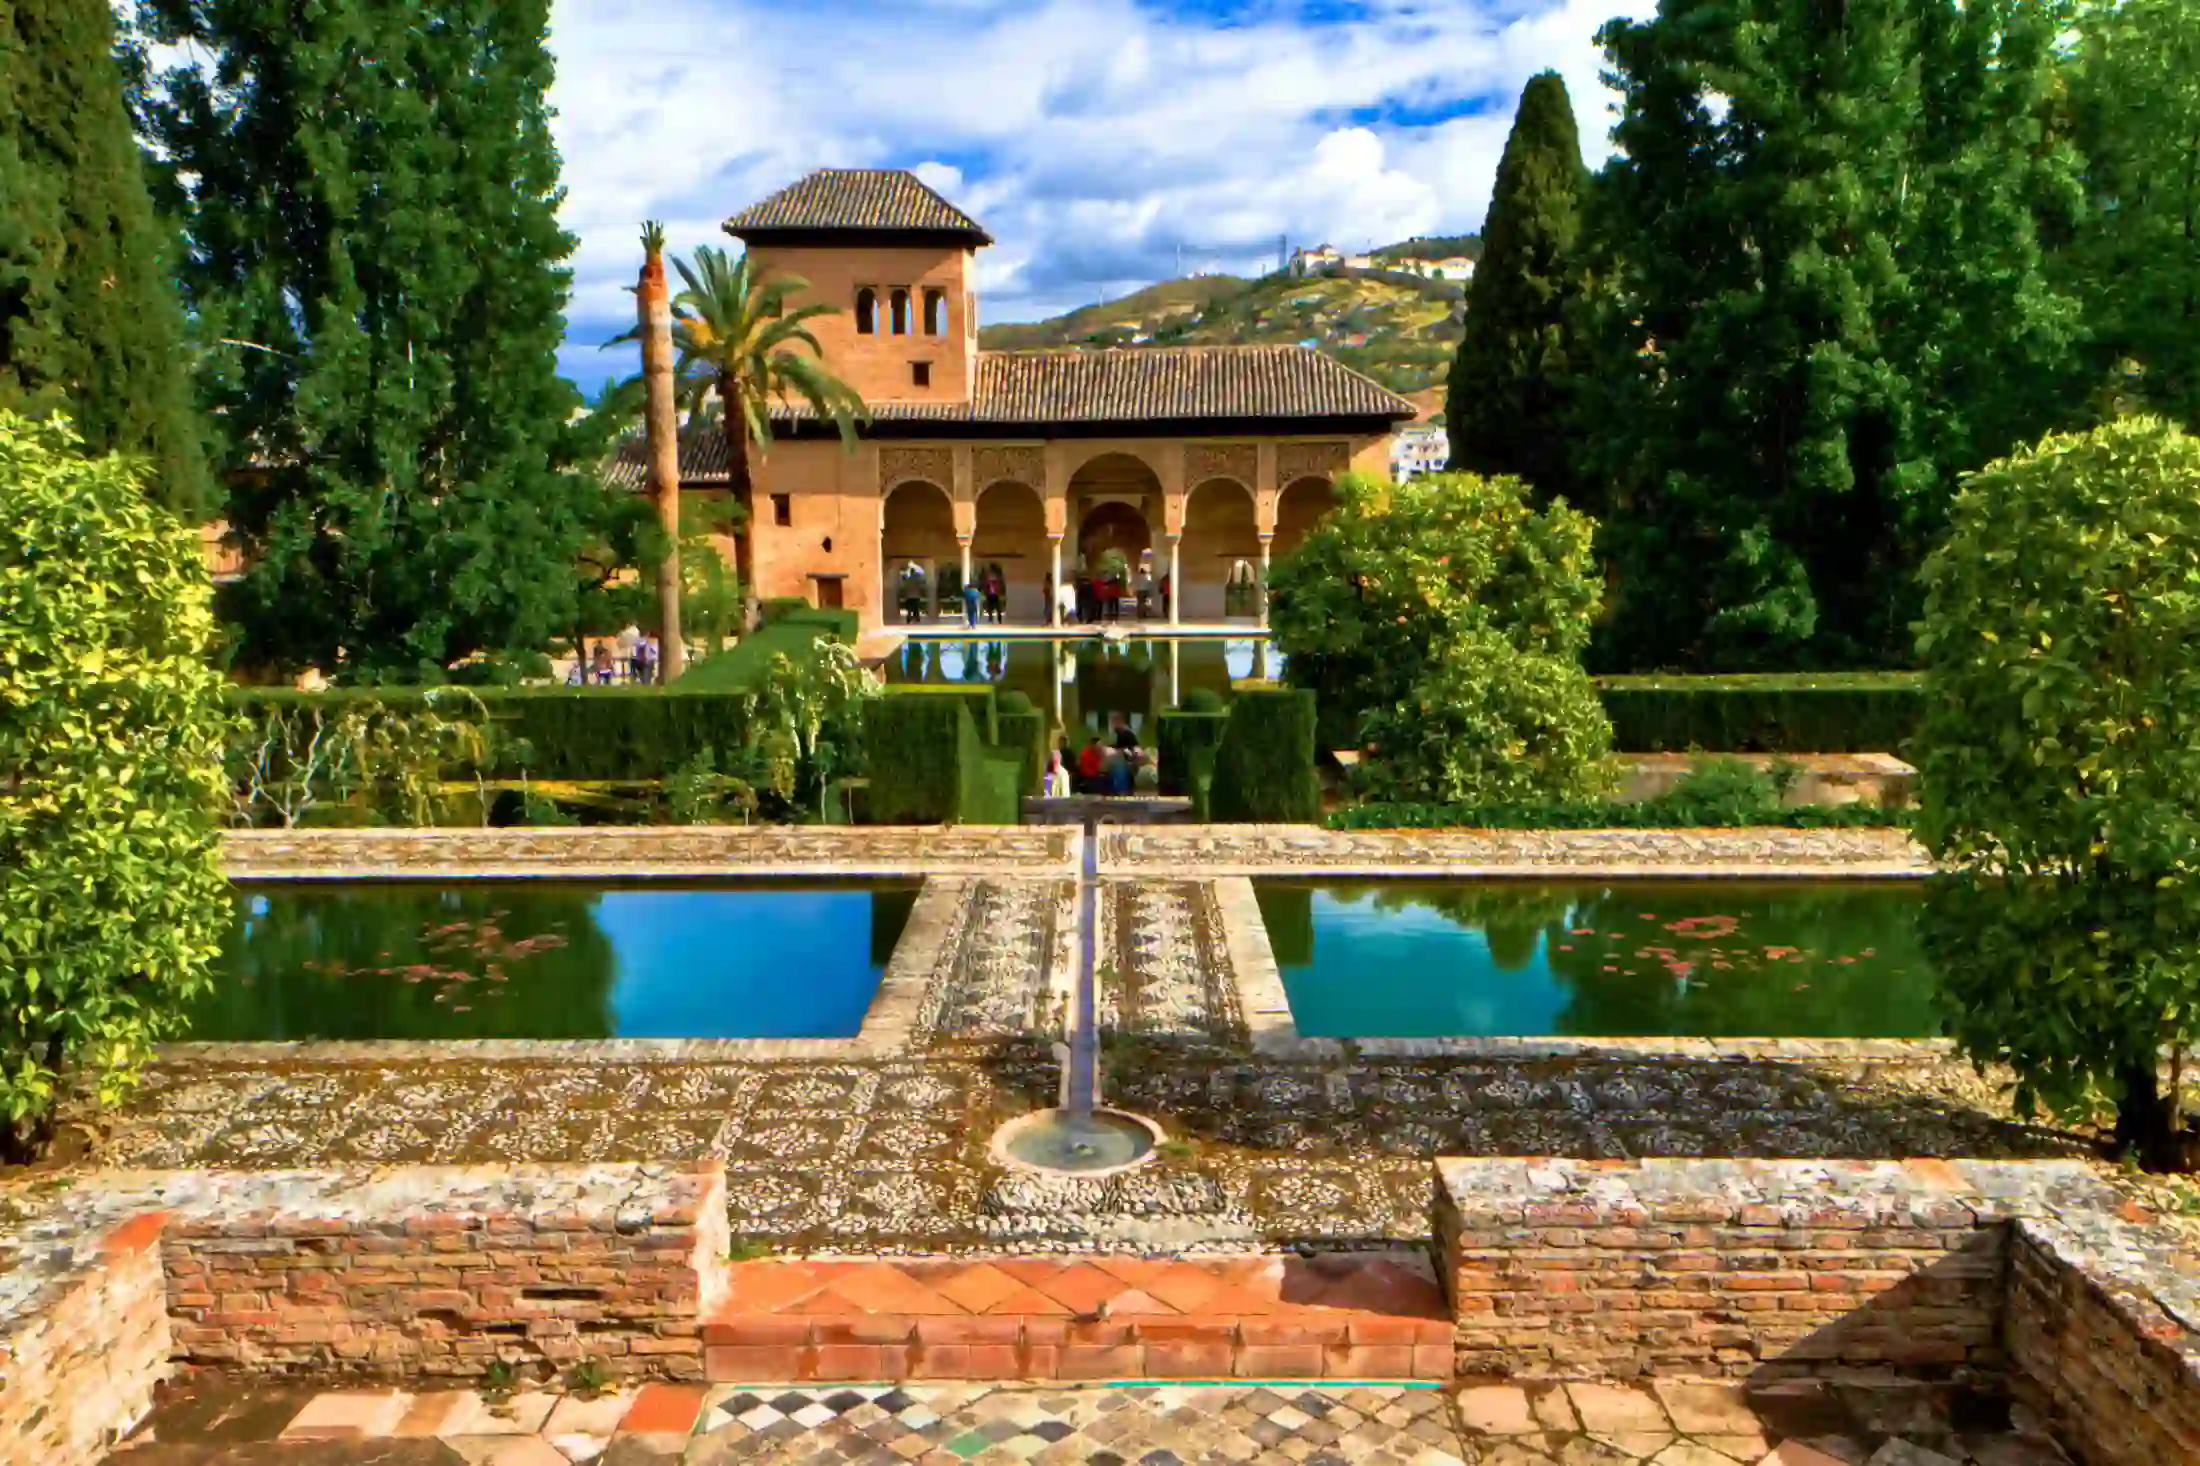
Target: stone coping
(900, 1019)
(1273, 1034)
(664, 852)
(1760, 853)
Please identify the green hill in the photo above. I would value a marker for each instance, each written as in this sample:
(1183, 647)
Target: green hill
(1400, 334)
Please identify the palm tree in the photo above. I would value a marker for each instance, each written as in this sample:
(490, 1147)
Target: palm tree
(737, 341)
(662, 424)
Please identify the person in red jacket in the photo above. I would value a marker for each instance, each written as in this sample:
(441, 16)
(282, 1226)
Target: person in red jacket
(1092, 765)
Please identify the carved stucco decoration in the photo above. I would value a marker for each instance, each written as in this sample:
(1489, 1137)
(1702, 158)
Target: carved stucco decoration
(899, 465)
(1295, 461)
(1204, 461)
(1026, 466)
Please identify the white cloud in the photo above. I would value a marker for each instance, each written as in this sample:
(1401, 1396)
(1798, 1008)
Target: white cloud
(1092, 137)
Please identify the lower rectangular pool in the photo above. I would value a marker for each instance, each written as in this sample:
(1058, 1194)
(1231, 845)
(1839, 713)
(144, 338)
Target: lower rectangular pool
(552, 960)
(1724, 959)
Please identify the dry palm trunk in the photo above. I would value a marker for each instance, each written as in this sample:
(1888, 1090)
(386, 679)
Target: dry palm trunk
(662, 425)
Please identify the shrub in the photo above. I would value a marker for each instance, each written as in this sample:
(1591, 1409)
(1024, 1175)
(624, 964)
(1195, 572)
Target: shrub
(1443, 620)
(112, 899)
(2059, 764)
(1024, 729)
(1264, 765)
(1863, 712)
(1652, 814)
(930, 766)
(1203, 700)
(1182, 738)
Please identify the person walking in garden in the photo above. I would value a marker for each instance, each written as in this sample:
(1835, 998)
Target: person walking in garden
(970, 602)
(1065, 599)
(645, 660)
(605, 671)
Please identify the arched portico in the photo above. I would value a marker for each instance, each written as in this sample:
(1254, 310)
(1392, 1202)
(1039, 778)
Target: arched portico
(1011, 532)
(1114, 502)
(1221, 530)
(1304, 503)
(916, 530)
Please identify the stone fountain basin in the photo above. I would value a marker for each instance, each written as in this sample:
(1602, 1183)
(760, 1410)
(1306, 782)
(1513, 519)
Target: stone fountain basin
(1059, 1142)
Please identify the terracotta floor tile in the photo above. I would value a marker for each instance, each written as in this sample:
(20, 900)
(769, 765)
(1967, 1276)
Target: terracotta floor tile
(1082, 1289)
(1185, 1288)
(663, 1409)
(1232, 1301)
(1029, 1302)
(1137, 1302)
(1032, 1271)
(766, 1287)
(977, 1287)
(1132, 1272)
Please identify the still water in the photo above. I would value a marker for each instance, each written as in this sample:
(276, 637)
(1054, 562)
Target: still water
(1084, 680)
(552, 960)
(1427, 959)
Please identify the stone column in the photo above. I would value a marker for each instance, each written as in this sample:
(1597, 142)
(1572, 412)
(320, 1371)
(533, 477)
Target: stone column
(1054, 597)
(963, 542)
(1176, 579)
(1261, 586)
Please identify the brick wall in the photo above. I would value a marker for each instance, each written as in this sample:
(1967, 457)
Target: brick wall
(437, 1271)
(2105, 1331)
(80, 1355)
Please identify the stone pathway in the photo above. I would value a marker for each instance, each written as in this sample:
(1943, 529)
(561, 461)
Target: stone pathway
(212, 1421)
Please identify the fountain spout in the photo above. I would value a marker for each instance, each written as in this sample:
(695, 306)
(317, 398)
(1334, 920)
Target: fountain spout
(1083, 1087)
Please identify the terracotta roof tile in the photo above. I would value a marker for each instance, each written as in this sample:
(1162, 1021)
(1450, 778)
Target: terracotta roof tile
(1126, 385)
(867, 199)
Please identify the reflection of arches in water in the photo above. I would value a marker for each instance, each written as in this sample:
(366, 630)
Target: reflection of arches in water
(951, 661)
(1238, 657)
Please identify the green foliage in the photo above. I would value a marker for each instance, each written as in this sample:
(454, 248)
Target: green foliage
(1024, 729)
(1443, 620)
(2135, 258)
(1202, 700)
(1823, 294)
(368, 190)
(801, 727)
(1183, 737)
(698, 794)
(926, 756)
(1776, 713)
(89, 323)
(1667, 813)
(2059, 763)
(793, 634)
(1509, 401)
(1264, 765)
(112, 900)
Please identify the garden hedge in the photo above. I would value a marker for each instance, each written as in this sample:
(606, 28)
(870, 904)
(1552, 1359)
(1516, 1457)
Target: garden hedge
(1023, 728)
(791, 635)
(1846, 712)
(1264, 765)
(929, 764)
(1184, 736)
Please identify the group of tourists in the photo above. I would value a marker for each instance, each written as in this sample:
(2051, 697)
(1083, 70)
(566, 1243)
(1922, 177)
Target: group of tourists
(1103, 766)
(1093, 598)
(634, 655)
(986, 596)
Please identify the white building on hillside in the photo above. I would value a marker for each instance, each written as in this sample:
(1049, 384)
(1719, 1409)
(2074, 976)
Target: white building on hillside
(1324, 258)
(1422, 448)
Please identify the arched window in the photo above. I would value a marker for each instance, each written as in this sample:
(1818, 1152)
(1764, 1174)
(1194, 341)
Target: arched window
(935, 312)
(901, 312)
(866, 312)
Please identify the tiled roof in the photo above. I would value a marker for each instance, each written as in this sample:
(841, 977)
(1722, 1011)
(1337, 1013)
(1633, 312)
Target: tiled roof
(856, 199)
(1128, 385)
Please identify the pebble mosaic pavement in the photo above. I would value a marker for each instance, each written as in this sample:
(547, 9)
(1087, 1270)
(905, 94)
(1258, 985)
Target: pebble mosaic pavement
(1665, 1424)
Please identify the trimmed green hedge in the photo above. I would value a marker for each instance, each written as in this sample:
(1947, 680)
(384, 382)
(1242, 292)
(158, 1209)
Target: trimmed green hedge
(1648, 815)
(1024, 729)
(1184, 736)
(1264, 766)
(930, 763)
(792, 635)
(1846, 712)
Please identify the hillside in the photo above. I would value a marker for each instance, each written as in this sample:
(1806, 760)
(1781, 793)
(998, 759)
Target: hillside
(1401, 335)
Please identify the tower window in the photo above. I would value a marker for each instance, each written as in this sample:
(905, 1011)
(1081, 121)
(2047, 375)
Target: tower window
(920, 372)
(782, 509)
(901, 312)
(935, 312)
(866, 312)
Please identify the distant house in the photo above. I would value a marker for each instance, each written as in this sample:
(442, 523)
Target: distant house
(1326, 259)
(1418, 449)
(1458, 267)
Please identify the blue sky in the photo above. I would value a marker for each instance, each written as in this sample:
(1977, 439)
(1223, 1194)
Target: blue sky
(1093, 138)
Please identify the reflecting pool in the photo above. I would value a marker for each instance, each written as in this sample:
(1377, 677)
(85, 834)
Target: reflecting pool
(1727, 959)
(1084, 680)
(552, 960)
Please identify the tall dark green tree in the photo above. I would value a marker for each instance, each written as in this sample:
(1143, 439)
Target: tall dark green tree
(1825, 226)
(2136, 259)
(89, 322)
(369, 191)
(1507, 406)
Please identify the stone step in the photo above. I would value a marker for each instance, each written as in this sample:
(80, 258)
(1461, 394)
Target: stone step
(1350, 1316)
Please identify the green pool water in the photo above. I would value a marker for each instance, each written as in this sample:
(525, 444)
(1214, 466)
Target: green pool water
(552, 960)
(1424, 959)
(1085, 680)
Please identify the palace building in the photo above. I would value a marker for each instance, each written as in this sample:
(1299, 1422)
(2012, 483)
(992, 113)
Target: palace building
(1193, 464)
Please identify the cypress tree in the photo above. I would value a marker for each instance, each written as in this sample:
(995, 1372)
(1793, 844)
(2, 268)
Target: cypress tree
(89, 323)
(1506, 407)
(370, 192)
(1830, 301)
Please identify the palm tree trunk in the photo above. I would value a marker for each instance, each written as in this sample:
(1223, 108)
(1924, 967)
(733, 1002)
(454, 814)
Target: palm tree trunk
(744, 490)
(663, 428)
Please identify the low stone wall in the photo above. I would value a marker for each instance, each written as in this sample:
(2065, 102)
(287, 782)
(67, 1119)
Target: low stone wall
(81, 1352)
(2023, 1274)
(438, 1271)
(2104, 1329)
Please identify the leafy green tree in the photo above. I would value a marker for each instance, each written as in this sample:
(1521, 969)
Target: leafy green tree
(369, 191)
(2136, 258)
(2059, 764)
(1823, 233)
(1508, 406)
(112, 901)
(1443, 620)
(738, 343)
(89, 323)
